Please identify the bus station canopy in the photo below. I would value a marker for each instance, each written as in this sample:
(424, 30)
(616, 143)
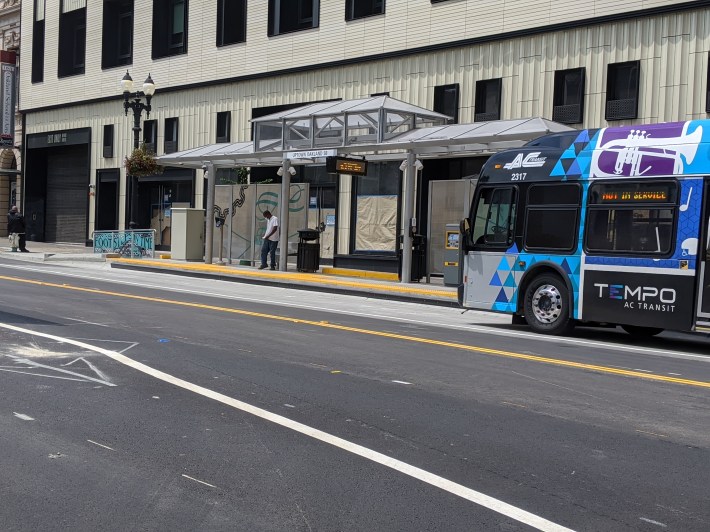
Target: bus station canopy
(378, 128)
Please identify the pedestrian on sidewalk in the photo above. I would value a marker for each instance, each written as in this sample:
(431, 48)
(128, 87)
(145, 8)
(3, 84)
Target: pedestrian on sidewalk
(271, 240)
(16, 224)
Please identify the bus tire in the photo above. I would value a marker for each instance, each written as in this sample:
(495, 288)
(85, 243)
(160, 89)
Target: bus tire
(642, 332)
(546, 305)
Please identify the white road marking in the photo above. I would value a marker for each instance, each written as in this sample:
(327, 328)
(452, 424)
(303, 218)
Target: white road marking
(24, 416)
(34, 364)
(88, 322)
(401, 382)
(205, 483)
(482, 329)
(676, 374)
(43, 375)
(653, 522)
(459, 490)
(101, 445)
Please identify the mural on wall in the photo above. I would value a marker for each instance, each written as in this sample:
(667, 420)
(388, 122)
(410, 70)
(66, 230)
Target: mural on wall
(248, 203)
(128, 244)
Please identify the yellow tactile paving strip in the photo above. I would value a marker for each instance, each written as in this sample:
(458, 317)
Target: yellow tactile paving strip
(314, 278)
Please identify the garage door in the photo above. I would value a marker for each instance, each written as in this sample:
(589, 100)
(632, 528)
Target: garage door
(67, 195)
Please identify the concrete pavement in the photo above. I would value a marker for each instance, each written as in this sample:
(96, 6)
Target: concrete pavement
(359, 282)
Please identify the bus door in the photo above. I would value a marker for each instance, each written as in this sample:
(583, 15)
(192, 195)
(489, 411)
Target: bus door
(488, 285)
(704, 260)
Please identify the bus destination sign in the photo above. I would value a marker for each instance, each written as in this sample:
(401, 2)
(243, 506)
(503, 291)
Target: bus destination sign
(343, 165)
(626, 196)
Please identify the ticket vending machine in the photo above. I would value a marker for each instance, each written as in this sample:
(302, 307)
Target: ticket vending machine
(451, 255)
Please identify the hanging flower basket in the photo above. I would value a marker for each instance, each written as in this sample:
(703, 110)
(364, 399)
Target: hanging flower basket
(142, 163)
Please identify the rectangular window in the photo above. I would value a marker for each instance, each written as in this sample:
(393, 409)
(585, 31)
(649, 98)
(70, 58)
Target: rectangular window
(150, 135)
(169, 28)
(292, 15)
(551, 217)
(622, 90)
(171, 135)
(355, 9)
(72, 38)
(224, 124)
(446, 101)
(568, 100)
(707, 87)
(231, 22)
(494, 219)
(488, 99)
(38, 42)
(117, 33)
(631, 218)
(108, 141)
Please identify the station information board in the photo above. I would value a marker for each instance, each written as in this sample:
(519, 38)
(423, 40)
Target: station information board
(344, 165)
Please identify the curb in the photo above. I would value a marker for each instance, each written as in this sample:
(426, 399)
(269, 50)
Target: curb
(364, 292)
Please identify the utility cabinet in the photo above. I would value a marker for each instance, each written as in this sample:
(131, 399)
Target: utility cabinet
(188, 234)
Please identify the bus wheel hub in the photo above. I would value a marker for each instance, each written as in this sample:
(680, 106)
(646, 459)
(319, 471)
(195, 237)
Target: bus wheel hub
(547, 303)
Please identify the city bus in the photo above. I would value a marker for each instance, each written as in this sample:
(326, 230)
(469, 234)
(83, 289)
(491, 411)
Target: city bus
(598, 227)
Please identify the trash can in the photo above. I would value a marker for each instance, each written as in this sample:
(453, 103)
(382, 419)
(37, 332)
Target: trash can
(418, 257)
(308, 253)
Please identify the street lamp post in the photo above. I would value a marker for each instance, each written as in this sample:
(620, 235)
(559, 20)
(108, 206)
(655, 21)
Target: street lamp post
(133, 99)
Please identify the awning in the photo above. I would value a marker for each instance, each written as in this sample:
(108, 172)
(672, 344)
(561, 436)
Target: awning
(456, 140)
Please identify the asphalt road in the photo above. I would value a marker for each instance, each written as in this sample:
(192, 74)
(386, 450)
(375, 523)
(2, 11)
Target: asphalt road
(133, 401)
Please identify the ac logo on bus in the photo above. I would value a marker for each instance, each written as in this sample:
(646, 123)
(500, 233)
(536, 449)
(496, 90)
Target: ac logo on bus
(531, 160)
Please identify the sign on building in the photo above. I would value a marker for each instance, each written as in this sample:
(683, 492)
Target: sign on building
(8, 97)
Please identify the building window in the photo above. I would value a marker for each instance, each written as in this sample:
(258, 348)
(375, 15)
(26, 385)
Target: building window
(568, 101)
(551, 217)
(171, 135)
(446, 101)
(707, 87)
(38, 42)
(117, 33)
(169, 28)
(108, 141)
(231, 21)
(72, 38)
(292, 15)
(355, 9)
(224, 123)
(488, 98)
(150, 135)
(622, 90)
(374, 94)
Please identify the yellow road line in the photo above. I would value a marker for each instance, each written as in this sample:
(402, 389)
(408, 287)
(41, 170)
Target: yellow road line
(303, 277)
(428, 341)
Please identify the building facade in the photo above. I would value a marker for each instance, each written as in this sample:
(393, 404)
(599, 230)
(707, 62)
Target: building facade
(10, 152)
(218, 64)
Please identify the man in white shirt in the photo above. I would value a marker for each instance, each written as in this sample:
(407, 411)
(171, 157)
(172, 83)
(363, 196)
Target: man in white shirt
(271, 240)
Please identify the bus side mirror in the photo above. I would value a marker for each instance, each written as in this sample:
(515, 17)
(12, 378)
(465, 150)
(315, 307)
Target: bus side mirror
(465, 229)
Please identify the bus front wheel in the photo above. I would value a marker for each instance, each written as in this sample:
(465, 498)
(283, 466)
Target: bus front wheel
(547, 305)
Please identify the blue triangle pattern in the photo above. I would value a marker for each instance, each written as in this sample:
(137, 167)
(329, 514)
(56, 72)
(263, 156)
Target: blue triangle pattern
(558, 170)
(565, 267)
(510, 281)
(502, 298)
(495, 281)
(503, 266)
(583, 136)
(513, 249)
(574, 169)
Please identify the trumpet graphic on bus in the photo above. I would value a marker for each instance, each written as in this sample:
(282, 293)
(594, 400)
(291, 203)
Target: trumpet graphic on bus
(640, 153)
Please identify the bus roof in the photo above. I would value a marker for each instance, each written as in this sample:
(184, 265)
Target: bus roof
(650, 150)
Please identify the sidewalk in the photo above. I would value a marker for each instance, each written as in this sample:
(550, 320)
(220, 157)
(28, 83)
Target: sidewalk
(358, 282)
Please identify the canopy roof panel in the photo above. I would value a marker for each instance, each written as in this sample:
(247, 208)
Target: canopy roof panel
(456, 140)
(361, 105)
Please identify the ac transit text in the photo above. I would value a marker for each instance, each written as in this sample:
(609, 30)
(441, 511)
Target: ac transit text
(640, 297)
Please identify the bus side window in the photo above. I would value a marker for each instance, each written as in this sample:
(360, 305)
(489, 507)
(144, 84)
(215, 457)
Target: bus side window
(492, 219)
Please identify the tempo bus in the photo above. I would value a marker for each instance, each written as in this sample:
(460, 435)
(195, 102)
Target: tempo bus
(599, 227)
